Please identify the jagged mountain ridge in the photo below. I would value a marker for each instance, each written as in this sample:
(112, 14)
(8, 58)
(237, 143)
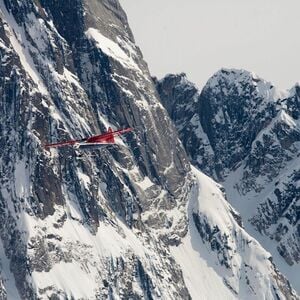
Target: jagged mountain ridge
(105, 226)
(245, 133)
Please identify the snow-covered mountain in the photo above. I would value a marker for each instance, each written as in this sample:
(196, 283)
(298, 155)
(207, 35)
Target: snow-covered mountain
(116, 223)
(217, 248)
(245, 133)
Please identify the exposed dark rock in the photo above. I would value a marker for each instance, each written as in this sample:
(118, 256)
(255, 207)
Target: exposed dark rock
(244, 133)
(69, 69)
(58, 83)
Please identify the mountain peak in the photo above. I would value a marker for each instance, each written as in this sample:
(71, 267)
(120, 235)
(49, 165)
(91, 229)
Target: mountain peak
(175, 79)
(102, 224)
(245, 133)
(237, 79)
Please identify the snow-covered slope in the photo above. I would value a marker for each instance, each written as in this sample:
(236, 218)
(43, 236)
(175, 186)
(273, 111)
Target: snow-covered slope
(218, 255)
(104, 225)
(246, 134)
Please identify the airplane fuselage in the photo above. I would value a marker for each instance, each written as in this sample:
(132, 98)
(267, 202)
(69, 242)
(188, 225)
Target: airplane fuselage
(93, 142)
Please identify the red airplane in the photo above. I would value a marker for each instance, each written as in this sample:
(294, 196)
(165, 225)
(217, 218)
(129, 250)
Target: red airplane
(93, 142)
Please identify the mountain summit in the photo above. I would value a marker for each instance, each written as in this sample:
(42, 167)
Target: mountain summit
(245, 133)
(135, 221)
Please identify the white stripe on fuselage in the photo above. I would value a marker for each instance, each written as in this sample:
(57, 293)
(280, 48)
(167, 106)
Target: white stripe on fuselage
(78, 145)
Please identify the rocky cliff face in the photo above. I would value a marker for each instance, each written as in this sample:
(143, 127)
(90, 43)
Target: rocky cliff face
(70, 69)
(103, 225)
(247, 137)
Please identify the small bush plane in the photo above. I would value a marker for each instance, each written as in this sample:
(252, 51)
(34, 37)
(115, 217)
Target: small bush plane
(93, 142)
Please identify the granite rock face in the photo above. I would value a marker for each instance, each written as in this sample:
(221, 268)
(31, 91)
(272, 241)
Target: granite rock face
(70, 69)
(245, 133)
(100, 224)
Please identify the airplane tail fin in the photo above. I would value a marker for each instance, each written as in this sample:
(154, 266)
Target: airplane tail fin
(110, 139)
